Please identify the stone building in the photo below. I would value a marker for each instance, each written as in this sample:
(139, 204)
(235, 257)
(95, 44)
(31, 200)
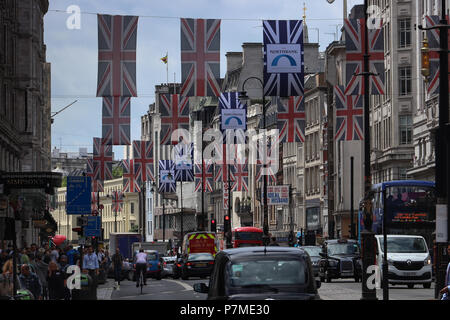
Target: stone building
(25, 124)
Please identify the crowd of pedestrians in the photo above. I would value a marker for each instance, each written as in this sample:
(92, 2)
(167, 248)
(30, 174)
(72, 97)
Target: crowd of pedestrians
(42, 271)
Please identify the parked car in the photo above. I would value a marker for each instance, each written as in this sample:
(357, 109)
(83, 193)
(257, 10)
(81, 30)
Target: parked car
(409, 260)
(168, 265)
(340, 259)
(314, 254)
(257, 273)
(197, 265)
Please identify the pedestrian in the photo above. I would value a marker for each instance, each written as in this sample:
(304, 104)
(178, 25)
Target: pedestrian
(71, 255)
(41, 268)
(6, 280)
(63, 263)
(117, 262)
(56, 282)
(30, 281)
(273, 242)
(3, 258)
(54, 254)
(24, 259)
(91, 267)
(446, 290)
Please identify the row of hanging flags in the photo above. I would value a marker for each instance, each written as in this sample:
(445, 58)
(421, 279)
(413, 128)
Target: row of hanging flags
(200, 70)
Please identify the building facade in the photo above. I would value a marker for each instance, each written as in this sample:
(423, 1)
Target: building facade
(25, 124)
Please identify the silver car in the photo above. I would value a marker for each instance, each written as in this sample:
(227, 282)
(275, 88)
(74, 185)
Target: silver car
(168, 264)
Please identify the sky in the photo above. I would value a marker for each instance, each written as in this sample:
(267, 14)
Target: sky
(73, 53)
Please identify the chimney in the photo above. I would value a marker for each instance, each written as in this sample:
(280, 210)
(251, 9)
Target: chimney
(234, 60)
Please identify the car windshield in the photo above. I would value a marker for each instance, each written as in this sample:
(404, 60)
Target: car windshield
(200, 256)
(152, 256)
(267, 272)
(342, 248)
(404, 245)
(313, 251)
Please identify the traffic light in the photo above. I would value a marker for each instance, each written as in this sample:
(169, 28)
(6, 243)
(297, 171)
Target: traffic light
(78, 230)
(213, 225)
(425, 58)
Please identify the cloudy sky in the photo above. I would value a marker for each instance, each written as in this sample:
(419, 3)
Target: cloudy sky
(73, 52)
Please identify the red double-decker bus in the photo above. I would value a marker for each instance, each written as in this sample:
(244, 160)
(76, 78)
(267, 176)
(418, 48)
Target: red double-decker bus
(247, 237)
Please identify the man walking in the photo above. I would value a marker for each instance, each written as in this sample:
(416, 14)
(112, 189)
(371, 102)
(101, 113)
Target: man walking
(30, 281)
(90, 266)
(446, 290)
(117, 261)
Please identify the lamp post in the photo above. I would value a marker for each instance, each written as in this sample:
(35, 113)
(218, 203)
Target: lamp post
(442, 170)
(367, 236)
(242, 96)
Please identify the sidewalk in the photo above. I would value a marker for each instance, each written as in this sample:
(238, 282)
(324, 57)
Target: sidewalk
(104, 291)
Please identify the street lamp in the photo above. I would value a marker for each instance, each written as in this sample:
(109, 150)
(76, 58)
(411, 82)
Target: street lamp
(243, 96)
(155, 189)
(114, 198)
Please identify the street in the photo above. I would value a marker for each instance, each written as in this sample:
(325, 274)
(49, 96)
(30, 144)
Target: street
(170, 289)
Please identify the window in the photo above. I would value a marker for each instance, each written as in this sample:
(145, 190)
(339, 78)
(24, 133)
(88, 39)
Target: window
(406, 129)
(405, 81)
(132, 207)
(404, 26)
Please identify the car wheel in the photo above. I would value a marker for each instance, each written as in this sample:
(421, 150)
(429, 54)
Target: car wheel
(356, 279)
(410, 285)
(158, 276)
(427, 285)
(322, 279)
(184, 276)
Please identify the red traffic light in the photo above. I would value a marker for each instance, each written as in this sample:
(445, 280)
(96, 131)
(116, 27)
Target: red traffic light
(213, 221)
(227, 218)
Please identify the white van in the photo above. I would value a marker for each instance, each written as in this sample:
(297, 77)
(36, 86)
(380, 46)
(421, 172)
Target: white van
(409, 260)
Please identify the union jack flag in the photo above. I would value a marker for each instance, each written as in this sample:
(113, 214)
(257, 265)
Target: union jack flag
(434, 45)
(96, 185)
(130, 179)
(116, 120)
(267, 167)
(200, 57)
(143, 161)
(117, 201)
(102, 160)
(204, 176)
(167, 181)
(94, 200)
(233, 112)
(349, 116)
(184, 155)
(282, 35)
(174, 110)
(291, 119)
(117, 37)
(355, 45)
(239, 173)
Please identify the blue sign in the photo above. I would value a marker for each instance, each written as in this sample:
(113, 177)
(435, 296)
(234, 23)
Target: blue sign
(78, 199)
(93, 227)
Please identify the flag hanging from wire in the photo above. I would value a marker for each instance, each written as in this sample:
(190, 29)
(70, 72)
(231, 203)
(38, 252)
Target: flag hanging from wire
(116, 120)
(355, 43)
(117, 38)
(200, 57)
(167, 181)
(283, 58)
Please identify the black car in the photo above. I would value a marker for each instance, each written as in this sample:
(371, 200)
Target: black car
(314, 254)
(340, 259)
(197, 265)
(258, 273)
